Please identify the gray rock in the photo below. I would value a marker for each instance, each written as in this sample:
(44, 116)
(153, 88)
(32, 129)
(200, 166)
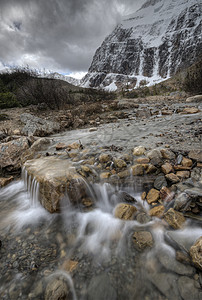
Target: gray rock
(182, 201)
(159, 182)
(155, 157)
(100, 288)
(37, 126)
(166, 283)
(171, 264)
(187, 288)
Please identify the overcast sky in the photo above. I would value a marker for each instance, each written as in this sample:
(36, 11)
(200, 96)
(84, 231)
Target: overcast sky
(58, 35)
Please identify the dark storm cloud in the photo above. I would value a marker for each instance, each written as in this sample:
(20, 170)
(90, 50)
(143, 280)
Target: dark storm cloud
(57, 34)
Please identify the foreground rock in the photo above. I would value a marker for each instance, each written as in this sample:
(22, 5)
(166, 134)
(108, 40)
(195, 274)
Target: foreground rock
(57, 289)
(174, 218)
(196, 253)
(125, 211)
(57, 180)
(37, 126)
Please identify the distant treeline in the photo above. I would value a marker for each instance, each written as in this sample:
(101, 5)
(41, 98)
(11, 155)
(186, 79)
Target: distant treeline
(23, 87)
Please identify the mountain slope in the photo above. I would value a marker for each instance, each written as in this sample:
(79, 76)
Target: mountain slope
(152, 44)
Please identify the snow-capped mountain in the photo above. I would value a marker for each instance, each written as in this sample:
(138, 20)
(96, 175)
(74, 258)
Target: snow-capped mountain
(46, 74)
(66, 78)
(151, 45)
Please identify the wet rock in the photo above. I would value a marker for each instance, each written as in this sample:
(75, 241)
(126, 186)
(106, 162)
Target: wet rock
(139, 150)
(75, 146)
(186, 162)
(187, 288)
(100, 288)
(190, 110)
(40, 144)
(119, 163)
(58, 289)
(179, 159)
(157, 211)
(55, 177)
(5, 181)
(173, 178)
(152, 196)
(167, 154)
(69, 265)
(165, 194)
(137, 170)
(11, 152)
(92, 129)
(174, 218)
(124, 174)
(37, 126)
(183, 174)
(197, 98)
(167, 168)
(182, 257)
(150, 169)
(169, 262)
(182, 201)
(196, 155)
(60, 146)
(143, 218)
(142, 240)
(125, 211)
(196, 253)
(166, 283)
(155, 157)
(105, 175)
(123, 196)
(160, 182)
(104, 158)
(143, 160)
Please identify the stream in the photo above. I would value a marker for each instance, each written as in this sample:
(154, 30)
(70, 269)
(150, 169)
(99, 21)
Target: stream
(88, 253)
(92, 251)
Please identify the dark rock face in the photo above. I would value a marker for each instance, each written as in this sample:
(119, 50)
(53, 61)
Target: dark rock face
(156, 41)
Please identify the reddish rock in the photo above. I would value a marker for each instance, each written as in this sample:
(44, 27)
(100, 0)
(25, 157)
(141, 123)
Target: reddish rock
(166, 194)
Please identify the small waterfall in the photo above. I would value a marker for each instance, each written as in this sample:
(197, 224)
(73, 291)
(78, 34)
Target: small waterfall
(32, 187)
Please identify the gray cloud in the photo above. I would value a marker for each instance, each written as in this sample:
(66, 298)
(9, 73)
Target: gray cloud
(57, 34)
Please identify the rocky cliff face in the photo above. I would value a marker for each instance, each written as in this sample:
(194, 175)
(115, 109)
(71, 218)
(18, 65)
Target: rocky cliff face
(149, 46)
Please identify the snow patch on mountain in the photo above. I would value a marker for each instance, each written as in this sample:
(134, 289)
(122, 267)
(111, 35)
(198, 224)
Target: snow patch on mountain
(152, 44)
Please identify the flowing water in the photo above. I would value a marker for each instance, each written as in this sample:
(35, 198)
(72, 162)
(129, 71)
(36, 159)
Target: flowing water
(91, 250)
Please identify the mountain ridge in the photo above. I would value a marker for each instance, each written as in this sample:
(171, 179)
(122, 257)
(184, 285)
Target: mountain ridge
(150, 45)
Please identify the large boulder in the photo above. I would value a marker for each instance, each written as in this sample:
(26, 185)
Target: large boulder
(37, 126)
(57, 180)
(10, 154)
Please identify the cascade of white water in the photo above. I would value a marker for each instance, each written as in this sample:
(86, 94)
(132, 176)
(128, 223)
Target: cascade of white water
(32, 186)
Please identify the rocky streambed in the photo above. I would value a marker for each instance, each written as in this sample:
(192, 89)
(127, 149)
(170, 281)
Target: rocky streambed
(110, 212)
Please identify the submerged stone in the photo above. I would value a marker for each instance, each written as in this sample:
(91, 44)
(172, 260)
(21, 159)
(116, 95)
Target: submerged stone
(125, 211)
